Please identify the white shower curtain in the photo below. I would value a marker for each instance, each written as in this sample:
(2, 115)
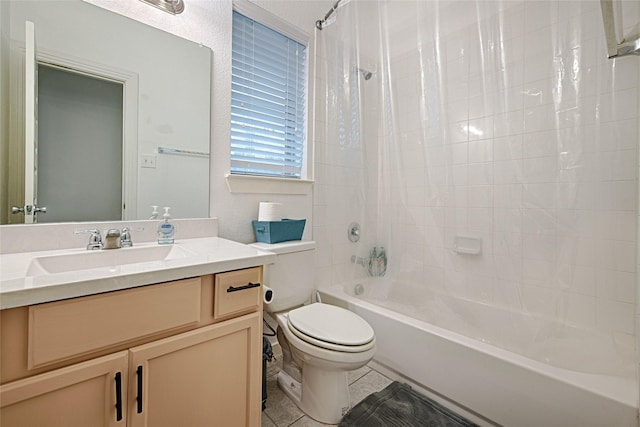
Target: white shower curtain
(497, 120)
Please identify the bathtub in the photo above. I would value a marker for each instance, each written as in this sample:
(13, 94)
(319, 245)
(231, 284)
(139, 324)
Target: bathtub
(492, 365)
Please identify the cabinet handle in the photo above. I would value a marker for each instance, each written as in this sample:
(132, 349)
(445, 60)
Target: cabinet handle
(139, 398)
(118, 396)
(241, 288)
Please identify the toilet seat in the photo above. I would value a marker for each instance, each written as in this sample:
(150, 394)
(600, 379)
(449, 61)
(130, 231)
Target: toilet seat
(330, 327)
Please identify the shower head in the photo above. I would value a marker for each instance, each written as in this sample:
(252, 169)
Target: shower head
(365, 73)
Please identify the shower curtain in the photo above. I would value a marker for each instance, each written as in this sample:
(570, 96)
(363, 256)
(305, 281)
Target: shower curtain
(502, 121)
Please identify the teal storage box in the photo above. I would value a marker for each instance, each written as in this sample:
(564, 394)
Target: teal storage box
(279, 231)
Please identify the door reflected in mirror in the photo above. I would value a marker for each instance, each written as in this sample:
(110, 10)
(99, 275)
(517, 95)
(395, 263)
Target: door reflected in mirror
(164, 102)
(79, 146)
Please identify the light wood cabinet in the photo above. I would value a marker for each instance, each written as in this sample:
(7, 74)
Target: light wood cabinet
(81, 395)
(204, 377)
(198, 366)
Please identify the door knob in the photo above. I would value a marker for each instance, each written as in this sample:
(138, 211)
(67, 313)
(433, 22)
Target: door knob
(28, 209)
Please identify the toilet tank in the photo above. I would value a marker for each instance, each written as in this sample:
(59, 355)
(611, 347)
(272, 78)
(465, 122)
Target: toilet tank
(292, 276)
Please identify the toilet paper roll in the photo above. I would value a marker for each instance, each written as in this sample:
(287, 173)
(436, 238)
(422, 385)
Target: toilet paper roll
(267, 294)
(268, 211)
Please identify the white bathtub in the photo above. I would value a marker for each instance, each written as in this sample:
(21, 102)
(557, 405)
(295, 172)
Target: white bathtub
(507, 368)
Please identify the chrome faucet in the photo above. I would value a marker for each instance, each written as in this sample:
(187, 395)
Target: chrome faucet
(95, 241)
(112, 239)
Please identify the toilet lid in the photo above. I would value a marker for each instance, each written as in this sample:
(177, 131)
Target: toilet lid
(331, 324)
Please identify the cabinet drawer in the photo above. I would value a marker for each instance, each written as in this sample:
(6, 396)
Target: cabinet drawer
(65, 329)
(237, 292)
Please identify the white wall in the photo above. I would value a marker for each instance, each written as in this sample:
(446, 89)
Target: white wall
(209, 22)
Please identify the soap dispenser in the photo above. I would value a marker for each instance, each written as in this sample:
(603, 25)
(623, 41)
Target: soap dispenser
(155, 214)
(166, 230)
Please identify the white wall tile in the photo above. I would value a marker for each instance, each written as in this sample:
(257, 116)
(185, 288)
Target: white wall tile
(480, 174)
(615, 316)
(540, 196)
(481, 151)
(540, 169)
(579, 308)
(508, 196)
(507, 171)
(480, 196)
(508, 148)
(509, 123)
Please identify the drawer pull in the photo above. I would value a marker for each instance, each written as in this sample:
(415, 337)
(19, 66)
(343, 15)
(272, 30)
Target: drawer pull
(242, 288)
(139, 398)
(118, 396)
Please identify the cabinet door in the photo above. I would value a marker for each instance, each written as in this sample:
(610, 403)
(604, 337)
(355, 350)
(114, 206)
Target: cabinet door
(207, 377)
(87, 394)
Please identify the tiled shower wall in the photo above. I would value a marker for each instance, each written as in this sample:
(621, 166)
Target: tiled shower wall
(512, 127)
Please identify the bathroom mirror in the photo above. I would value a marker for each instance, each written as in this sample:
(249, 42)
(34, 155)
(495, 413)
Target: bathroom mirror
(166, 89)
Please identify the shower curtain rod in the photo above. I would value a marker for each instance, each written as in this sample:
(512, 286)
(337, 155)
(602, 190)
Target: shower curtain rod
(320, 22)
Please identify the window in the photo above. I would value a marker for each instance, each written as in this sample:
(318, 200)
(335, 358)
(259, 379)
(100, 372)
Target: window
(268, 101)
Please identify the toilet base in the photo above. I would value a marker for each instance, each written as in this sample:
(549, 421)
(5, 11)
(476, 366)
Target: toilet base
(323, 395)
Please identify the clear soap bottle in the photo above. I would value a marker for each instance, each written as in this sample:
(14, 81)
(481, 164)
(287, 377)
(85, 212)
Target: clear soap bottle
(155, 214)
(166, 229)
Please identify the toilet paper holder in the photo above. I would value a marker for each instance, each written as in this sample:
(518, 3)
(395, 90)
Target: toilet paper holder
(267, 294)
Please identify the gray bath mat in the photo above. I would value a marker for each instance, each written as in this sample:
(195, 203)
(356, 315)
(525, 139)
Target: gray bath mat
(399, 406)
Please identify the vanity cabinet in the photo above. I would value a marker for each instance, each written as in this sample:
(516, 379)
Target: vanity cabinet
(80, 395)
(187, 352)
(198, 378)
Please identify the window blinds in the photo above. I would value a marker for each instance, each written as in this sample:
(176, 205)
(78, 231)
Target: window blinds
(268, 82)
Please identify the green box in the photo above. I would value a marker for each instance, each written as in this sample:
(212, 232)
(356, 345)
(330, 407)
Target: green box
(279, 231)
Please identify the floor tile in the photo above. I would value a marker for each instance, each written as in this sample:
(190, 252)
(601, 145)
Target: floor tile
(369, 383)
(309, 422)
(266, 421)
(280, 409)
(357, 374)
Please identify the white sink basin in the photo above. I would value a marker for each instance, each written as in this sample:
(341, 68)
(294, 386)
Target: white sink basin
(110, 258)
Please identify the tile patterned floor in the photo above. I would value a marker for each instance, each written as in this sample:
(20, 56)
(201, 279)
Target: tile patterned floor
(282, 412)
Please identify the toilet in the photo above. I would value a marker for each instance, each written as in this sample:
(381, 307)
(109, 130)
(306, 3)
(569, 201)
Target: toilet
(320, 343)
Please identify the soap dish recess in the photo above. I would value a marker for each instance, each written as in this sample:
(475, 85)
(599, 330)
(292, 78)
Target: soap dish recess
(467, 245)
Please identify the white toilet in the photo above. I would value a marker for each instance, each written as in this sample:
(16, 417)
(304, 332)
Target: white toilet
(320, 342)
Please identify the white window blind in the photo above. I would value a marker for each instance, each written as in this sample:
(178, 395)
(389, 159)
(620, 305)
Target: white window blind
(268, 98)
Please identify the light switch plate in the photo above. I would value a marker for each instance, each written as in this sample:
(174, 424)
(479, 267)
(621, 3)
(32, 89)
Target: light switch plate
(148, 161)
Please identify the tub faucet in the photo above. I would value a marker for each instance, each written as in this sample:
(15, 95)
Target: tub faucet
(95, 241)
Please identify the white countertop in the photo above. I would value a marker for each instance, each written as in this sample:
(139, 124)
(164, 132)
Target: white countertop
(205, 256)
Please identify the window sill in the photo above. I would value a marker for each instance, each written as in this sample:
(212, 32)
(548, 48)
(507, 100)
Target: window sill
(267, 185)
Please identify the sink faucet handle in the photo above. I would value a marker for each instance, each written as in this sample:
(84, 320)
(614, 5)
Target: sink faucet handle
(125, 237)
(95, 240)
